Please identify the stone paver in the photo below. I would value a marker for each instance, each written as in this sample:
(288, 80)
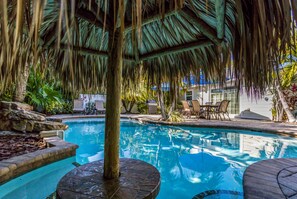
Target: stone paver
(138, 179)
(16, 166)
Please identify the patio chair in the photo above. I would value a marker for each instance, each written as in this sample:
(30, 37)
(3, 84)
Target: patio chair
(213, 111)
(197, 109)
(99, 106)
(78, 106)
(186, 109)
(222, 109)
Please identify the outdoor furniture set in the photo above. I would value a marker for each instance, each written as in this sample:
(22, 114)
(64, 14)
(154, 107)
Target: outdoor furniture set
(208, 110)
(91, 108)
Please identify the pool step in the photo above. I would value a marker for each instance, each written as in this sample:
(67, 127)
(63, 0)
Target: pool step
(219, 194)
(76, 164)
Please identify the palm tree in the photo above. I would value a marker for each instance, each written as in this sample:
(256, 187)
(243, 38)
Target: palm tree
(92, 43)
(285, 77)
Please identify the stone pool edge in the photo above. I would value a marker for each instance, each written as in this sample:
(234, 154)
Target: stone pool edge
(271, 130)
(18, 165)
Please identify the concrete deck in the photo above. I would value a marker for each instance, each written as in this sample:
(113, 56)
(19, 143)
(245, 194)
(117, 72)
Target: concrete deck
(254, 125)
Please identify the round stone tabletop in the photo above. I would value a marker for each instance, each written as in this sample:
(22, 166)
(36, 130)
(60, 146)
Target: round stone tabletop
(138, 180)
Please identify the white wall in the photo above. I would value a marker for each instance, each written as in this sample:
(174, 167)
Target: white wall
(202, 94)
(259, 106)
(92, 97)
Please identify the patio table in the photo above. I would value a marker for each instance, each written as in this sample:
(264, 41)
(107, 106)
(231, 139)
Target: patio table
(208, 108)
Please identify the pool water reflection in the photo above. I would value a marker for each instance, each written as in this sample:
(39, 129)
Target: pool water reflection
(190, 160)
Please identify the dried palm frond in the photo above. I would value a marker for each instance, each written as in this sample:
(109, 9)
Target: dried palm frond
(20, 37)
(163, 39)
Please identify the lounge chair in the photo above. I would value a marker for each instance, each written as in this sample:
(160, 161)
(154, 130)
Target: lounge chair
(186, 109)
(222, 110)
(197, 109)
(99, 106)
(78, 106)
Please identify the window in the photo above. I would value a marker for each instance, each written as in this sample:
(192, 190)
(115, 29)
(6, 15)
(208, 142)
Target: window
(218, 95)
(189, 95)
(231, 94)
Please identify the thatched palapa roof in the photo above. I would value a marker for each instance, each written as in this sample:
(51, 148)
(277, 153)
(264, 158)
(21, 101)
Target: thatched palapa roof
(164, 39)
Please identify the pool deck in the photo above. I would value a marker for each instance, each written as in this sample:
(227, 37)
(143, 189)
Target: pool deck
(271, 179)
(285, 129)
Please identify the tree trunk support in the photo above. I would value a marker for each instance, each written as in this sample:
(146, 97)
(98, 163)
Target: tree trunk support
(113, 102)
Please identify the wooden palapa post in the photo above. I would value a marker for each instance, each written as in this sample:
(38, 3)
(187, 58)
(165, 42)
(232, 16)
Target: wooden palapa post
(113, 100)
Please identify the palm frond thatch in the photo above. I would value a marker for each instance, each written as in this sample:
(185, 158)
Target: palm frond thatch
(163, 39)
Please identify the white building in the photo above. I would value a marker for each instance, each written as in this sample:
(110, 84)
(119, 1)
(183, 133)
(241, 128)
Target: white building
(240, 102)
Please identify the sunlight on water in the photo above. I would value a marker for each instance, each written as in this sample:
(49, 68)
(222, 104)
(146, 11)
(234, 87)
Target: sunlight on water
(190, 160)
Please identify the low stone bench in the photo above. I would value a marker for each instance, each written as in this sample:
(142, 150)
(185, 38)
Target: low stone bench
(16, 166)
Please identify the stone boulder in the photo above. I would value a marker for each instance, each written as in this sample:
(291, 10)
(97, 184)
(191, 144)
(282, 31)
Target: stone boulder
(15, 116)
(48, 126)
(15, 106)
(25, 115)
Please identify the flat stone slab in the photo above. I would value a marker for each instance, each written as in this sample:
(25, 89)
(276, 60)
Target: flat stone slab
(273, 179)
(138, 179)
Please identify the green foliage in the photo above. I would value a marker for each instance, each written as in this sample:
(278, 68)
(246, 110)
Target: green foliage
(90, 107)
(7, 95)
(135, 96)
(289, 75)
(42, 95)
(67, 107)
(175, 116)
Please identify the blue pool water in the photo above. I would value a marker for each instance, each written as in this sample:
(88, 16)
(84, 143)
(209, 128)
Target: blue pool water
(37, 184)
(190, 160)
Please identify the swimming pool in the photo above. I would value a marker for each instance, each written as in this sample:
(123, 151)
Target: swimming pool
(37, 184)
(191, 160)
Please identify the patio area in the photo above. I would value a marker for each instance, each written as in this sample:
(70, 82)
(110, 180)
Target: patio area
(286, 129)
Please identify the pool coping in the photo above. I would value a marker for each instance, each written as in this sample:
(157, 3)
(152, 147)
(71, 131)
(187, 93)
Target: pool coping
(57, 149)
(265, 127)
(225, 126)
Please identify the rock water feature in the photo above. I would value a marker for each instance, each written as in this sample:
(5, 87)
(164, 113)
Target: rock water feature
(15, 116)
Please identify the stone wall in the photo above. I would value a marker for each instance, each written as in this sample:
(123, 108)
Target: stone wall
(19, 117)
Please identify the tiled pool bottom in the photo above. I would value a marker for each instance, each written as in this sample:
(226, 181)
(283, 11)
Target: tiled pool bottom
(37, 184)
